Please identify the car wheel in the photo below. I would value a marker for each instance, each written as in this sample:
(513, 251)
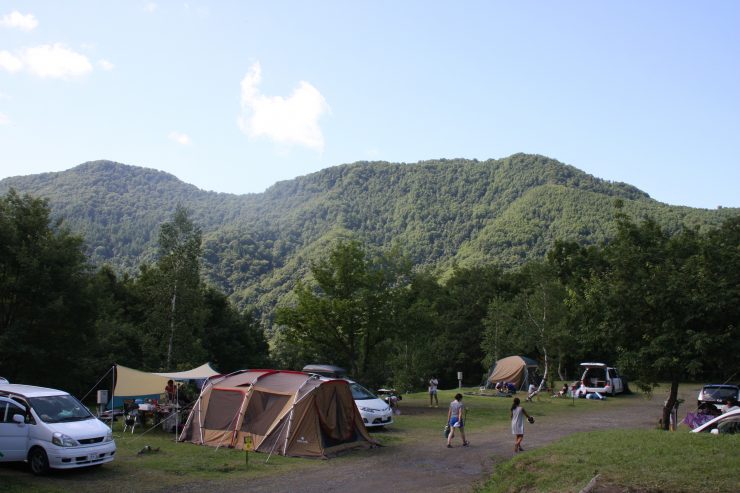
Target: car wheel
(39, 461)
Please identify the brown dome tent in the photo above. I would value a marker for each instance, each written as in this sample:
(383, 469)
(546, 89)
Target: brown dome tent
(513, 369)
(284, 412)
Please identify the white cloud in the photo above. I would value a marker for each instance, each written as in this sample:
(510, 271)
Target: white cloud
(105, 65)
(150, 7)
(52, 61)
(180, 138)
(291, 121)
(56, 61)
(4, 119)
(10, 62)
(17, 20)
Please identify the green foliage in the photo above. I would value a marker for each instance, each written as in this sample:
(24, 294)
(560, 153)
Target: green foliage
(442, 213)
(63, 326)
(459, 288)
(649, 303)
(45, 300)
(346, 317)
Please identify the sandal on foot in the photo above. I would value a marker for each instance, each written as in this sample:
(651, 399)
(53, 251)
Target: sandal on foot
(465, 444)
(449, 446)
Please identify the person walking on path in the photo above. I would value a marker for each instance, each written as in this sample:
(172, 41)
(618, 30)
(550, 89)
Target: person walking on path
(517, 423)
(455, 420)
(433, 383)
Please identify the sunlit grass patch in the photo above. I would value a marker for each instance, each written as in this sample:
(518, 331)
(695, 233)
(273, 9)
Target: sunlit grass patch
(643, 460)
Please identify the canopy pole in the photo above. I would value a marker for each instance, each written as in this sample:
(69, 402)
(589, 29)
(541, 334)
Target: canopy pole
(176, 407)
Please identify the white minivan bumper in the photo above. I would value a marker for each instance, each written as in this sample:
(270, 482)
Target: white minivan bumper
(71, 457)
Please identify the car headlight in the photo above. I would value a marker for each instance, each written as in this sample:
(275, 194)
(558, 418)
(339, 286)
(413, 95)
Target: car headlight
(63, 440)
(109, 436)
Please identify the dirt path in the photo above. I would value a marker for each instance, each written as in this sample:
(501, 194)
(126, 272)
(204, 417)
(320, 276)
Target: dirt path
(423, 465)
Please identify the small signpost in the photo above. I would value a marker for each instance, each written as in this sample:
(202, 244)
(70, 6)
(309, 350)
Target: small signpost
(247, 446)
(459, 380)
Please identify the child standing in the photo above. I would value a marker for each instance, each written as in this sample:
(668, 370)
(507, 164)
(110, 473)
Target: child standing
(517, 423)
(455, 420)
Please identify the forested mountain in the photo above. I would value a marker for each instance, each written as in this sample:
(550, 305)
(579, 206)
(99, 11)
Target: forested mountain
(438, 213)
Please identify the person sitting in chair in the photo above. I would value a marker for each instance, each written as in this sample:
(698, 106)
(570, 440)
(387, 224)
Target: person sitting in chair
(563, 392)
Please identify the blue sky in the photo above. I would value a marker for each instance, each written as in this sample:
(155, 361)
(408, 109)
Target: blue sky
(234, 96)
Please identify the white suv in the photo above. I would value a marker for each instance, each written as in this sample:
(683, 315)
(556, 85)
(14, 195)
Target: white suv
(597, 377)
(50, 429)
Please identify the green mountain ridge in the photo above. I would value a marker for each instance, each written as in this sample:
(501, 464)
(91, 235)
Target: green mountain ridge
(439, 213)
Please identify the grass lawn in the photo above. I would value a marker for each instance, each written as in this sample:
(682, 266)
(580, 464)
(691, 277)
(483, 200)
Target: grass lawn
(137, 470)
(648, 460)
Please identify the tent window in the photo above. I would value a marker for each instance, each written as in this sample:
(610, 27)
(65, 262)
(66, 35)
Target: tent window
(262, 410)
(223, 409)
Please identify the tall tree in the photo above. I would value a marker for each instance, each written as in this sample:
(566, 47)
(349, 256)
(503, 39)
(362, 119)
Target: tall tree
(531, 320)
(462, 309)
(171, 291)
(650, 306)
(417, 336)
(346, 316)
(46, 310)
(233, 341)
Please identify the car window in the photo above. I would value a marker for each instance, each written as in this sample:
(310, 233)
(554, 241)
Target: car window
(730, 426)
(719, 393)
(8, 410)
(59, 409)
(360, 393)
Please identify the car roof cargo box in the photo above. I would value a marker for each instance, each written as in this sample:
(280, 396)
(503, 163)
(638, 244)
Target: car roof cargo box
(330, 371)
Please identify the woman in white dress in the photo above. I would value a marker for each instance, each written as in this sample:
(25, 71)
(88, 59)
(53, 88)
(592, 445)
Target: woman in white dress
(517, 423)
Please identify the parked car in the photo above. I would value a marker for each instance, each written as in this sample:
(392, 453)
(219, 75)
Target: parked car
(728, 423)
(50, 429)
(717, 394)
(598, 377)
(375, 411)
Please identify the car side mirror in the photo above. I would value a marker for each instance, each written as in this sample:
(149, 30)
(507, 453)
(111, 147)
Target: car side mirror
(17, 418)
(714, 431)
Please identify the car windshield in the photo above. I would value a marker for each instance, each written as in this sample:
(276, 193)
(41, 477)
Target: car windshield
(360, 393)
(59, 409)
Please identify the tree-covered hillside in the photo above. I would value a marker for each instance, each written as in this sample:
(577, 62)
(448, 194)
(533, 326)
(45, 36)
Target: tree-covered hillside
(438, 213)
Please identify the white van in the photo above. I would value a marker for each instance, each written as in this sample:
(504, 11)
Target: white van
(597, 377)
(49, 428)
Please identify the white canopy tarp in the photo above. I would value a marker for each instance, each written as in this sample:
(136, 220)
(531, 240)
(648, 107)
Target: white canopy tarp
(130, 382)
(203, 371)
